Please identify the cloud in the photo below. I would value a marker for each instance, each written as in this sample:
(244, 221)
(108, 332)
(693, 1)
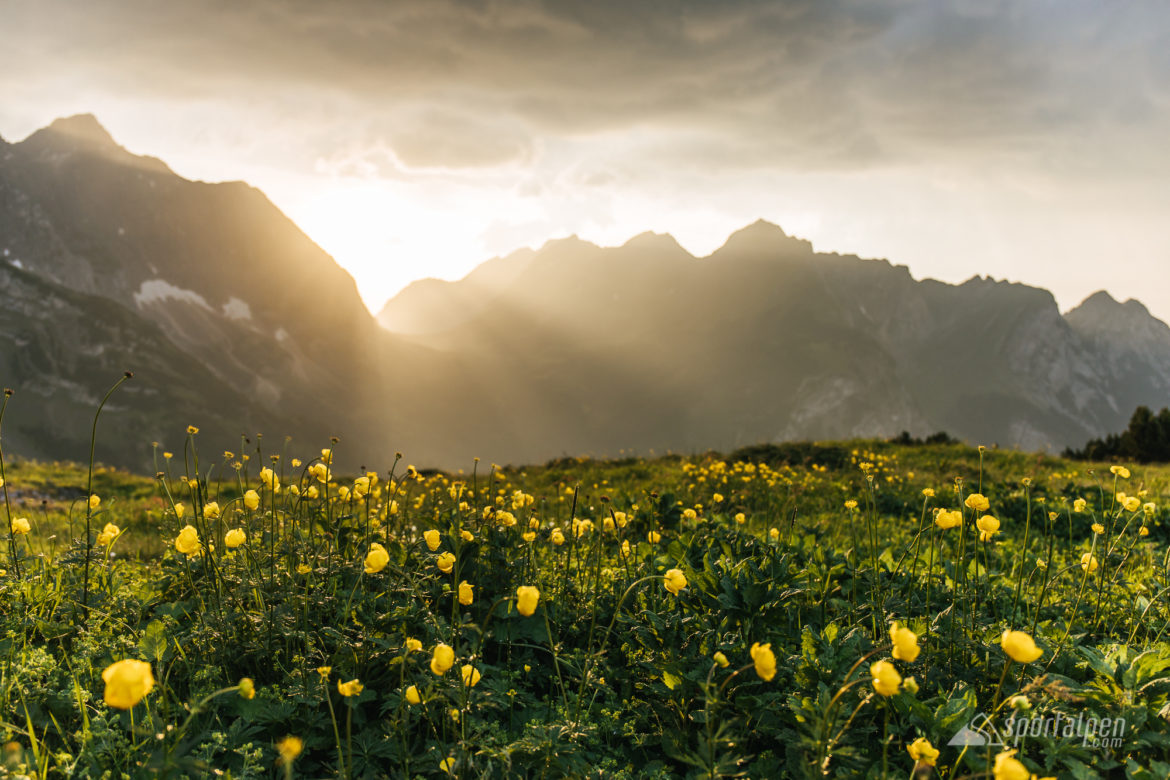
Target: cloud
(806, 84)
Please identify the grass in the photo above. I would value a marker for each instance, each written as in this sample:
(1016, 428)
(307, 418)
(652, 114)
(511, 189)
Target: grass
(796, 560)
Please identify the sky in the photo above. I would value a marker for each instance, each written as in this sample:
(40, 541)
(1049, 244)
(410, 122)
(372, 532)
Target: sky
(1019, 140)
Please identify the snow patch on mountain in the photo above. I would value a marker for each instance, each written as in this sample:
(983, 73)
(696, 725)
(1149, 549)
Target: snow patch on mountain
(161, 291)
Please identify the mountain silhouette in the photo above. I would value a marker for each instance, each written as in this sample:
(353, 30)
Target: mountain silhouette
(235, 321)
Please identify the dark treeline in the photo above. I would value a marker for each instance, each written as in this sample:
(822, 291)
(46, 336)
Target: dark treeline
(1146, 440)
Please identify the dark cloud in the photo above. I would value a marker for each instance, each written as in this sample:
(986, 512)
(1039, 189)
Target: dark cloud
(769, 84)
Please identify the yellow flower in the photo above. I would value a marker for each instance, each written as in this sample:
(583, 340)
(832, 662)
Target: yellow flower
(1132, 504)
(470, 675)
(1098, 528)
(740, 518)
(1120, 471)
(252, 500)
(922, 751)
(1008, 768)
(235, 537)
(928, 492)
(886, 679)
(905, 643)
(326, 455)
(1143, 531)
(324, 671)
(351, 688)
(247, 688)
(1150, 508)
(528, 536)
(192, 430)
(442, 658)
(765, 660)
(168, 455)
(1020, 647)
(376, 558)
(689, 514)
(948, 519)
(910, 685)
(466, 593)
(447, 765)
(988, 527)
(413, 696)
(210, 510)
(1079, 505)
(653, 537)
(527, 597)
(108, 534)
(675, 581)
(289, 748)
(127, 683)
(20, 525)
(270, 480)
(557, 537)
(721, 659)
(361, 487)
(188, 540)
(412, 645)
(466, 535)
(304, 568)
(851, 504)
(95, 501)
(717, 498)
(774, 534)
(1089, 562)
(180, 510)
(432, 538)
(978, 502)
(445, 562)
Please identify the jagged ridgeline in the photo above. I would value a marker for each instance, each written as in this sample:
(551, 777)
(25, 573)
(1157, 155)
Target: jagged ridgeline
(232, 319)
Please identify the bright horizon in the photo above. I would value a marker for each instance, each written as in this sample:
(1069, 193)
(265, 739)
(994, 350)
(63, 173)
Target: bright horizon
(956, 140)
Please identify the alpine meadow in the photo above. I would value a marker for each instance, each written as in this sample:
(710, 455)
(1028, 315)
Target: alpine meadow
(484, 389)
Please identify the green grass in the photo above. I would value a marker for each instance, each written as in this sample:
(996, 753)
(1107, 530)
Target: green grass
(612, 675)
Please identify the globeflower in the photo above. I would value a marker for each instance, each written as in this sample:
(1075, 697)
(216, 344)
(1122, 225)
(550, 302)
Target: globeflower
(470, 675)
(252, 500)
(1132, 504)
(95, 501)
(1008, 768)
(653, 537)
(886, 679)
(1097, 528)
(442, 658)
(413, 696)
(234, 538)
(188, 540)
(675, 581)
(127, 683)
(527, 597)
(1079, 505)
(432, 538)
(1020, 647)
(108, 534)
(412, 645)
(557, 537)
(210, 510)
(376, 558)
(466, 593)
(764, 659)
(740, 518)
(1120, 471)
(1089, 562)
(351, 688)
(289, 748)
(721, 660)
(978, 502)
(445, 562)
(247, 688)
(905, 643)
(988, 527)
(20, 525)
(922, 751)
(948, 519)
(270, 480)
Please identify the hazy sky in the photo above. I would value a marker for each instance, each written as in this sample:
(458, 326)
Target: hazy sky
(1028, 141)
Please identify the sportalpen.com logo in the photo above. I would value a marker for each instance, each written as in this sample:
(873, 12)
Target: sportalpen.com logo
(1092, 732)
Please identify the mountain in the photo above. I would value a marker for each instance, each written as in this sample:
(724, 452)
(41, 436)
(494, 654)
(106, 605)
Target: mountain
(646, 346)
(230, 317)
(233, 320)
